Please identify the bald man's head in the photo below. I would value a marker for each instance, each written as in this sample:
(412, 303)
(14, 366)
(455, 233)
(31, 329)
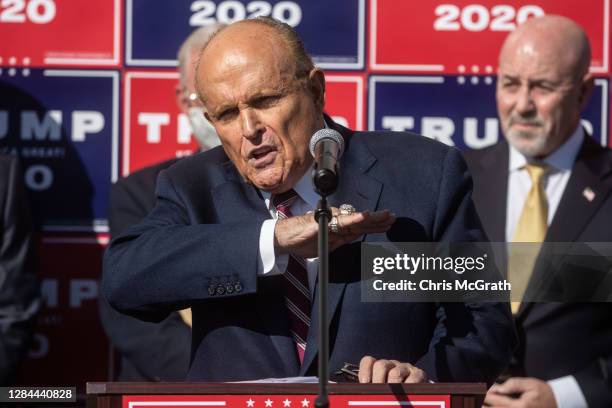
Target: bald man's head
(265, 100)
(543, 83)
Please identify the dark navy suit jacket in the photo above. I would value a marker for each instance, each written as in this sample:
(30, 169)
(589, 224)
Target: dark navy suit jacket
(558, 339)
(148, 351)
(199, 248)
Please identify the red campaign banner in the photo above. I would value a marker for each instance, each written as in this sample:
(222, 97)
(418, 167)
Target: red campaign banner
(464, 36)
(69, 345)
(344, 99)
(283, 401)
(155, 130)
(43, 33)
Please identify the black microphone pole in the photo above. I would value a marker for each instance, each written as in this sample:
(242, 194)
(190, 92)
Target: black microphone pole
(325, 180)
(323, 216)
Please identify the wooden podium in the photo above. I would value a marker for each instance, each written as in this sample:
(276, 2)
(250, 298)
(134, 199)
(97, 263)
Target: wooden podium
(265, 395)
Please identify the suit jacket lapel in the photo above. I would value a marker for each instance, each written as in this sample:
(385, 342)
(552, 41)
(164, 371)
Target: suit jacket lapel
(491, 190)
(577, 203)
(235, 200)
(362, 191)
(583, 195)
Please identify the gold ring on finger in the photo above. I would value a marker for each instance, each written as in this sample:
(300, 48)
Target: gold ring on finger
(347, 209)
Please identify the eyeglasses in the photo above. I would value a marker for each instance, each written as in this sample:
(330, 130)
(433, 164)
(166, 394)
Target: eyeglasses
(349, 372)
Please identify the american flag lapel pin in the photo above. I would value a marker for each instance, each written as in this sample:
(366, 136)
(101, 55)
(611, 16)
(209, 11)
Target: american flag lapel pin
(589, 194)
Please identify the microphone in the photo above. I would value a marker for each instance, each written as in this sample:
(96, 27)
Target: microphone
(326, 146)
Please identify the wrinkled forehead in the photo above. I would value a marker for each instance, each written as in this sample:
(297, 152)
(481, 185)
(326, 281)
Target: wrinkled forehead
(255, 51)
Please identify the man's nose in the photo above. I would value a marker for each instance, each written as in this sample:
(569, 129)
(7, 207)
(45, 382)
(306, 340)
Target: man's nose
(251, 124)
(524, 101)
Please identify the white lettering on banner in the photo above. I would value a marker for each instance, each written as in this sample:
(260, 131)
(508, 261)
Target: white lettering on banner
(443, 129)
(79, 290)
(50, 126)
(82, 289)
(470, 133)
(153, 122)
(340, 120)
(36, 11)
(183, 153)
(398, 123)
(438, 128)
(184, 130)
(38, 177)
(86, 122)
(476, 17)
(49, 293)
(206, 12)
(39, 347)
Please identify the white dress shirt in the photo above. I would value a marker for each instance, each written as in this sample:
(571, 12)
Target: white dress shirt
(272, 264)
(566, 390)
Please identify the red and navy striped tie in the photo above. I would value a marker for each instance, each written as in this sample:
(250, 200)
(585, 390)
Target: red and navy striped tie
(295, 281)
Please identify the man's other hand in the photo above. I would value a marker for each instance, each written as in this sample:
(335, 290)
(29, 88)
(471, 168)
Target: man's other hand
(372, 370)
(298, 235)
(518, 392)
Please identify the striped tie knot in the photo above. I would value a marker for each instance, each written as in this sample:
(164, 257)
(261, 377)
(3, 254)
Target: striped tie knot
(282, 202)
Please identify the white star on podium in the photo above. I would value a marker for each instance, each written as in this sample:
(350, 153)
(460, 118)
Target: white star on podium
(268, 402)
(250, 402)
(304, 402)
(286, 403)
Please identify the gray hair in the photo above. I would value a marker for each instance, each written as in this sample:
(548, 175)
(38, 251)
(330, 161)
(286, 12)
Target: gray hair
(194, 43)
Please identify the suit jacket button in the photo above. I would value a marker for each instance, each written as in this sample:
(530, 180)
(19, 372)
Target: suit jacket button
(237, 287)
(229, 288)
(220, 289)
(211, 290)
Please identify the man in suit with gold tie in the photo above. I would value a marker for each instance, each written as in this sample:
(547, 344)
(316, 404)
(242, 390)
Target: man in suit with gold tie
(549, 181)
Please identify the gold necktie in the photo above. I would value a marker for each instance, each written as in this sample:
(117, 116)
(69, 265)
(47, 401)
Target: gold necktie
(531, 227)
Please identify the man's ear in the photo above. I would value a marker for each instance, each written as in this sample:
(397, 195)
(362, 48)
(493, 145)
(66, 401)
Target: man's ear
(180, 98)
(586, 90)
(316, 81)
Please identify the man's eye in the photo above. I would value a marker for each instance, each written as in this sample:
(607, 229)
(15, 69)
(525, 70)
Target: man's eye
(266, 101)
(543, 87)
(510, 85)
(227, 114)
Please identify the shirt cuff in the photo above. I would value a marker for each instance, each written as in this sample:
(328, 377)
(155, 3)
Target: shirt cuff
(567, 392)
(270, 264)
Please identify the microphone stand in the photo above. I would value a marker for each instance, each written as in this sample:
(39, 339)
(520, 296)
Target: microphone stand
(325, 184)
(323, 216)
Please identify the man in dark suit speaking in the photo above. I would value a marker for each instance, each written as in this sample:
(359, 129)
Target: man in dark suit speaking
(231, 235)
(550, 182)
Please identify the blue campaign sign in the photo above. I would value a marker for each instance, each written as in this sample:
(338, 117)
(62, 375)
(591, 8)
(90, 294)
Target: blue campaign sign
(333, 31)
(457, 110)
(64, 126)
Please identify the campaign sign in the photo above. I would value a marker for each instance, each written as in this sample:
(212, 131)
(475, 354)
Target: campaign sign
(64, 126)
(155, 130)
(458, 111)
(306, 400)
(332, 31)
(344, 99)
(69, 345)
(464, 36)
(60, 32)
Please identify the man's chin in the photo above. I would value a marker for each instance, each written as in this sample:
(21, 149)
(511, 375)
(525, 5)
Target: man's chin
(528, 144)
(269, 180)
